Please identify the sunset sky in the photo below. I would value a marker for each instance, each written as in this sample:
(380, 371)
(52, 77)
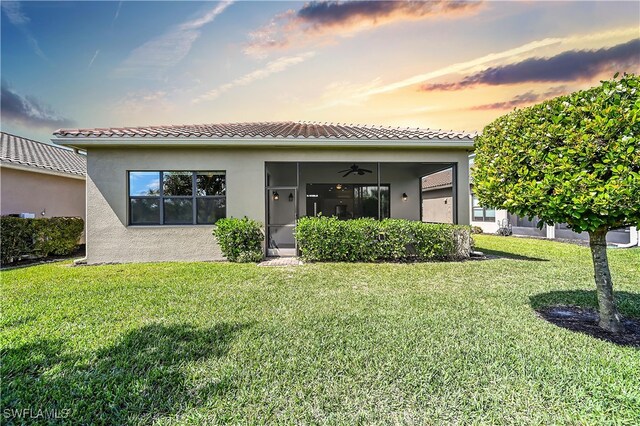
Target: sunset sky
(449, 65)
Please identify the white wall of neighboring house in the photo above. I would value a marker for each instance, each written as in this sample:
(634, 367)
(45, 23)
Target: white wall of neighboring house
(490, 227)
(624, 237)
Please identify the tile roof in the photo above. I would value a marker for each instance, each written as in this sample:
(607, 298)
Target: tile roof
(30, 153)
(287, 129)
(438, 180)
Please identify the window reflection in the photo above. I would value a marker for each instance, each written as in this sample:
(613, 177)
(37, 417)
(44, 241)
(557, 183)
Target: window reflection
(144, 183)
(348, 201)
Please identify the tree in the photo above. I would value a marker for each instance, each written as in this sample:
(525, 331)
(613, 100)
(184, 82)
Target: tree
(573, 159)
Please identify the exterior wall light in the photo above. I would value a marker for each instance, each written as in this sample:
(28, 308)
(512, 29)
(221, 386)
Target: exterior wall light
(290, 196)
(404, 196)
(276, 196)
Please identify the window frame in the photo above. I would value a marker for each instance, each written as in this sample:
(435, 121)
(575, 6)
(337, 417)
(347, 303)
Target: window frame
(194, 197)
(484, 218)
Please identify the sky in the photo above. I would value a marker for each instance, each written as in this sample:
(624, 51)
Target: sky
(438, 64)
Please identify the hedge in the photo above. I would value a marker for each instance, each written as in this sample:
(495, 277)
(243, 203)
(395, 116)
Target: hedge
(368, 240)
(38, 237)
(240, 239)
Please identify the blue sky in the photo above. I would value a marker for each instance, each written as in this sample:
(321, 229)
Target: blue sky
(427, 64)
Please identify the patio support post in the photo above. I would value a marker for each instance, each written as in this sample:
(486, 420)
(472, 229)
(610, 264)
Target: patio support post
(297, 205)
(379, 194)
(297, 188)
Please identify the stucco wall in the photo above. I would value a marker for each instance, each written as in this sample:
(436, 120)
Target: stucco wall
(29, 192)
(491, 227)
(110, 239)
(437, 206)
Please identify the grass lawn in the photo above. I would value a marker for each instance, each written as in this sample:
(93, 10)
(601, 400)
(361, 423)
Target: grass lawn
(322, 343)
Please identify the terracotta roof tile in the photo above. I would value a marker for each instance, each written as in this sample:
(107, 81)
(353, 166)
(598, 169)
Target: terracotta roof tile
(287, 129)
(27, 152)
(442, 179)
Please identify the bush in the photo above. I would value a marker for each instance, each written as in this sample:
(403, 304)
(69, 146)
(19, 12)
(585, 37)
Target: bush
(17, 238)
(240, 239)
(57, 235)
(476, 230)
(38, 237)
(368, 240)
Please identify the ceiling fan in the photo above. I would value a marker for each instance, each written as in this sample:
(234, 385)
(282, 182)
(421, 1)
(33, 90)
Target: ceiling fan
(354, 169)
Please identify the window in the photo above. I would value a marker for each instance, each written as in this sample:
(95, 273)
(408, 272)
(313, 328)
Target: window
(347, 201)
(176, 198)
(482, 214)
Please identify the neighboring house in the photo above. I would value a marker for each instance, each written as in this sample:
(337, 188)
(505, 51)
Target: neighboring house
(437, 197)
(491, 219)
(153, 193)
(40, 179)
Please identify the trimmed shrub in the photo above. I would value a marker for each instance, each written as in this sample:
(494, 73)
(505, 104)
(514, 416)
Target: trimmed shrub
(476, 230)
(38, 237)
(367, 240)
(58, 235)
(240, 239)
(16, 238)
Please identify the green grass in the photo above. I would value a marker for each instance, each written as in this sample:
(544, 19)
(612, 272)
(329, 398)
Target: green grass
(426, 343)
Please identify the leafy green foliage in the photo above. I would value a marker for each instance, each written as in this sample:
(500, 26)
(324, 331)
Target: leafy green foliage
(17, 238)
(369, 240)
(572, 159)
(57, 235)
(476, 230)
(240, 239)
(39, 237)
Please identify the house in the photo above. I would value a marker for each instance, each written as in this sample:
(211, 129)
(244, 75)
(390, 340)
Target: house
(154, 193)
(40, 180)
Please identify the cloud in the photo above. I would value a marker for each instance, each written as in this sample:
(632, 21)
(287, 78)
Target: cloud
(95, 55)
(143, 101)
(523, 99)
(15, 14)
(273, 67)
(326, 20)
(570, 65)
(29, 111)
(336, 13)
(154, 57)
(117, 14)
(341, 93)
(13, 11)
(506, 56)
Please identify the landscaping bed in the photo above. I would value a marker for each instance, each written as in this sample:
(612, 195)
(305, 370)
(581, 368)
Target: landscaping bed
(586, 321)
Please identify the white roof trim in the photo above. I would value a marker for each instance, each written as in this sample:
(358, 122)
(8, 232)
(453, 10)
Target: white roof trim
(87, 142)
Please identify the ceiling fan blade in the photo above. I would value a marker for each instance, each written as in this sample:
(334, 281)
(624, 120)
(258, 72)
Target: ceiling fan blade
(347, 170)
(348, 173)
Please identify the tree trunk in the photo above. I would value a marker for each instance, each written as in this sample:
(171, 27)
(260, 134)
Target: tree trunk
(609, 317)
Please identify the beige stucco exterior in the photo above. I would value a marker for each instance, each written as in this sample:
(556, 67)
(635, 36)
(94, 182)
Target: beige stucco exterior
(28, 190)
(437, 205)
(111, 239)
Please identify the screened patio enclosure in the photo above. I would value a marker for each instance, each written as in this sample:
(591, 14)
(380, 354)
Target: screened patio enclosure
(346, 190)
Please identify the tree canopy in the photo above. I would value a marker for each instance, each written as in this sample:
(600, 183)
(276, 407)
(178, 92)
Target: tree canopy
(572, 159)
